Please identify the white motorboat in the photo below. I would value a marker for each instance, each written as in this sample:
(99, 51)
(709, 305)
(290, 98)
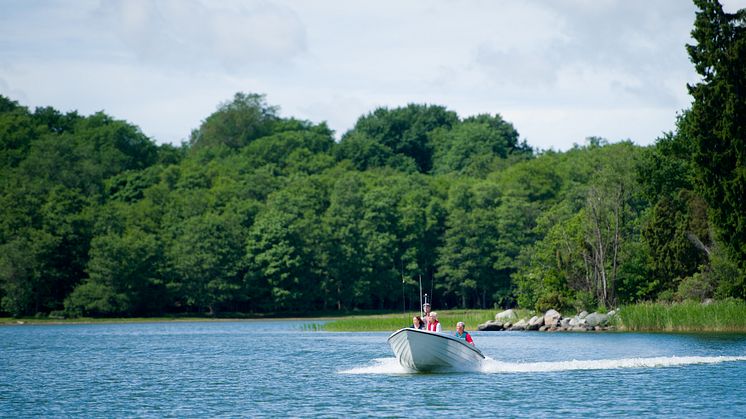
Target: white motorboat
(421, 350)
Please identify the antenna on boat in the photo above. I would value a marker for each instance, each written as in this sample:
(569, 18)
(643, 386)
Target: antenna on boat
(432, 281)
(421, 296)
(403, 298)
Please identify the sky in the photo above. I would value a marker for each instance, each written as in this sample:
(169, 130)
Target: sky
(559, 70)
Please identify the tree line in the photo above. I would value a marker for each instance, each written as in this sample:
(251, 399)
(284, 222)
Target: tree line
(259, 213)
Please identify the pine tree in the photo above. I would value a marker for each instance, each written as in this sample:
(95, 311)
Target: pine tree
(717, 124)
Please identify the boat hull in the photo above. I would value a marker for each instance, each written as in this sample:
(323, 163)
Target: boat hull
(420, 350)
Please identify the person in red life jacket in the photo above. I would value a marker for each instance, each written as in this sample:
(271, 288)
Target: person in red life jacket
(461, 334)
(434, 325)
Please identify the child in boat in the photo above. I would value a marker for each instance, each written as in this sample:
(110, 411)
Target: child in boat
(461, 334)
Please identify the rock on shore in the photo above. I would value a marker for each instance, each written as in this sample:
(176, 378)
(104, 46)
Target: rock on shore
(551, 321)
(507, 315)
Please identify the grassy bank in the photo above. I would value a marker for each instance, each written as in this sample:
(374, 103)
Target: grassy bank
(720, 316)
(391, 322)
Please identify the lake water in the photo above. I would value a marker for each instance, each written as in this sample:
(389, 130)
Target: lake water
(274, 369)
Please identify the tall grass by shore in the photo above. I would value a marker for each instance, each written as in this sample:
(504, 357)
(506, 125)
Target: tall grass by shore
(719, 316)
(391, 322)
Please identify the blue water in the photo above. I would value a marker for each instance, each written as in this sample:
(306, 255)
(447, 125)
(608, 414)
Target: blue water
(274, 369)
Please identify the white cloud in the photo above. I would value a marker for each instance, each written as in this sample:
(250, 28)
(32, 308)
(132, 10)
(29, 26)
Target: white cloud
(609, 48)
(560, 71)
(731, 6)
(188, 36)
(13, 94)
(560, 128)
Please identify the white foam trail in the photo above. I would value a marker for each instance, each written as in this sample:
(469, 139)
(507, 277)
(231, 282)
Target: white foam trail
(380, 366)
(490, 365)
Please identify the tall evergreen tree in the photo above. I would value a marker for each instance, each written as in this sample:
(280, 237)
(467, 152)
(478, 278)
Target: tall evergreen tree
(718, 119)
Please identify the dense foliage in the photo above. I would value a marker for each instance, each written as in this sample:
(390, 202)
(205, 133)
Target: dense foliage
(258, 213)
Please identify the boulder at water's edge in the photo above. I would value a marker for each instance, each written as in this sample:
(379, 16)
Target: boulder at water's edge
(506, 315)
(597, 319)
(552, 318)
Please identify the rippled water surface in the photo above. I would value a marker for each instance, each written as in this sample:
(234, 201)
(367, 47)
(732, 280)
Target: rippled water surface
(274, 369)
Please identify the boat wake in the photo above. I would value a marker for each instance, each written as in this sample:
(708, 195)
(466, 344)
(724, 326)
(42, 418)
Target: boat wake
(492, 366)
(381, 366)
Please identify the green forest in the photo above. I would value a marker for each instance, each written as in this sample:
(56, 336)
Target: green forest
(263, 214)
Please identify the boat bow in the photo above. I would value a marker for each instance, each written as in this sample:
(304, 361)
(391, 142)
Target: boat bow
(421, 350)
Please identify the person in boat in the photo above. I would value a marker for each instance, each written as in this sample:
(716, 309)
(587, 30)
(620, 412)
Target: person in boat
(426, 314)
(462, 334)
(434, 325)
(417, 323)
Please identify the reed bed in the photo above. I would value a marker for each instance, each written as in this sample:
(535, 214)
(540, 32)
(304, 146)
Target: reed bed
(311, 327)
(392, 322)
(719, 316)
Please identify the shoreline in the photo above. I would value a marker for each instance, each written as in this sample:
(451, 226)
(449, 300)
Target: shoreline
(397, 316)
(723, 317)
(9, 321)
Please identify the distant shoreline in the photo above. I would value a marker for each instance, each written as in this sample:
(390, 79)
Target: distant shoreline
(9, 321)
(688, 317)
